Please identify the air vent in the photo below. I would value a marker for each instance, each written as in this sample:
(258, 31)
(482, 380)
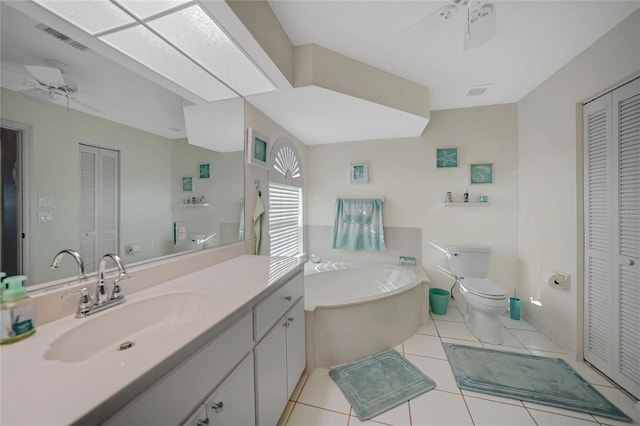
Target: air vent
(477, 90)
(71, 42)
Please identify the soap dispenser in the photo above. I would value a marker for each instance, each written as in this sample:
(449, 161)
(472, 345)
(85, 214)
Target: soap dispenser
(17, 311)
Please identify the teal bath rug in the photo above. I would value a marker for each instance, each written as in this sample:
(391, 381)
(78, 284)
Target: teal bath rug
(380, 382)
(548, 381)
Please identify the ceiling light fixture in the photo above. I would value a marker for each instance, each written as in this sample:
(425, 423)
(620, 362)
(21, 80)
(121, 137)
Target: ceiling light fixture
(175, 38)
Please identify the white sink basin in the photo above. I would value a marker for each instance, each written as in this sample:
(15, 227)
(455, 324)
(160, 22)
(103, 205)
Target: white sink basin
(133, 322)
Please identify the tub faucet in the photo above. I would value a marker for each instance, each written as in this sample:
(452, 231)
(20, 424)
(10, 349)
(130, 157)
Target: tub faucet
(55, 264)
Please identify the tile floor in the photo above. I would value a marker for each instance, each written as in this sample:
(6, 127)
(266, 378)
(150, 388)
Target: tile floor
(318, 401)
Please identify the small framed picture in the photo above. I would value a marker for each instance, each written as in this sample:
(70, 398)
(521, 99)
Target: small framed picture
(481, 173)
(446, 157)
(257, 149)
(187, 184)
(358, 172)
(205, 171)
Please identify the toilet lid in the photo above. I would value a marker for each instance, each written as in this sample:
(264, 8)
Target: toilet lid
(483, 287)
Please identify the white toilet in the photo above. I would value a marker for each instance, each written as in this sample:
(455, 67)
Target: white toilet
(486, 301)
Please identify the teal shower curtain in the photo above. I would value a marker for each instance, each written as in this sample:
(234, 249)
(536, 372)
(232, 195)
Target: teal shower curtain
(358, 225)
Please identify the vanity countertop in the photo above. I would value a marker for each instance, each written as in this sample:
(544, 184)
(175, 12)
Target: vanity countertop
(37, 391)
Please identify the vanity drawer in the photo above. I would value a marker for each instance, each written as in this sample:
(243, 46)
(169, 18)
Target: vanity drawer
(268, 311)
(170, 400)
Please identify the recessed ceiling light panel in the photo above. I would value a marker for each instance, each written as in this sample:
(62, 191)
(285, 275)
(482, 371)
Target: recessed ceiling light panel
(92, 16)
(141, 44)
(192, 31)
(145, 9)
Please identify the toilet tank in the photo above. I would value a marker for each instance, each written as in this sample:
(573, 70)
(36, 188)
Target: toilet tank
(469, 261)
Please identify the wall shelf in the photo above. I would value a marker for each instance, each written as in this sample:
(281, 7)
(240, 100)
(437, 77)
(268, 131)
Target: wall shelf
(467, 204)
(195, 205)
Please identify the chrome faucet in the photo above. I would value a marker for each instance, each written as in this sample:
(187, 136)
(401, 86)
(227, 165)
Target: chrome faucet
(102, 294)
(55, 264)
(102, 300)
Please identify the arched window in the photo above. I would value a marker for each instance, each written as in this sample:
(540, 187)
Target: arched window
(285, 200)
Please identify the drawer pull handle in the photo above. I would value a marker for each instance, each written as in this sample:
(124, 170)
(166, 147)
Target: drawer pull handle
(286, 324)
(217, 407)
(202, 422)
(290, 319)
(287, 298)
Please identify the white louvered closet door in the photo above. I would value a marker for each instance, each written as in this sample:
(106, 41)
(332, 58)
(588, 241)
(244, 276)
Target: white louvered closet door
(612, 235)
(98, 204)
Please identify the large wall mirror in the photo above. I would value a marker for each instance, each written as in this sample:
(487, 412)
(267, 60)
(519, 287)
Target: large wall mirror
(105, 160)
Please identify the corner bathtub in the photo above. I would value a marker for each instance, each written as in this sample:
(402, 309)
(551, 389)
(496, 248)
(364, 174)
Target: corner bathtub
(355, 309)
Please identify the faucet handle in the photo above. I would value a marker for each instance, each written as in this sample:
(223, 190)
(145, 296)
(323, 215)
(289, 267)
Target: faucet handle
(85, 303)
(117, 293)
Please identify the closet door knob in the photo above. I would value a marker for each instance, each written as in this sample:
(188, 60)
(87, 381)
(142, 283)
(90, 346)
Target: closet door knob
(217, 406)
(630, 262)
(287, 298)
(290, 319)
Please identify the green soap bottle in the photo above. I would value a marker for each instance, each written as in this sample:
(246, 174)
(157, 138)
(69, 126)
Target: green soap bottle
(17, 311)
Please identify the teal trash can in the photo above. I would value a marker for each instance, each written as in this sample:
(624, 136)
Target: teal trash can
(438, 300)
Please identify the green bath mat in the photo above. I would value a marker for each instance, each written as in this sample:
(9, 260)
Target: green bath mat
(380, 382)
(548, 381)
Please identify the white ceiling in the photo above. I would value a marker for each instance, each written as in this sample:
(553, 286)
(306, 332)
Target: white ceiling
(534, 39)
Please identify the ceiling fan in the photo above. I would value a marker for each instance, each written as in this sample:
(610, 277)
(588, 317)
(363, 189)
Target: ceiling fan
(49, 85)
(480, 21)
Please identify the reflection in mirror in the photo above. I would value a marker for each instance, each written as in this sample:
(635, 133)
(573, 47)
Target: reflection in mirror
(101, 162)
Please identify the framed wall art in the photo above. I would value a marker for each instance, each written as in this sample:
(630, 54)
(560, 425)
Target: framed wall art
(481, 173)
(359, 172)
(187, 184)
(257, 149)
(446, 157)
(205, 171)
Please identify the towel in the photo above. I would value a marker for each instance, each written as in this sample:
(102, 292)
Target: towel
(358, 225)
(258, 219)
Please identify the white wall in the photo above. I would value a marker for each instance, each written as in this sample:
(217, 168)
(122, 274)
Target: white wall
(550, 190)
(404, 172)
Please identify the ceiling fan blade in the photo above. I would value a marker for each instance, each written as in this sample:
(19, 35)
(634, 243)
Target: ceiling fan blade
(47, 75)
(481, 26)
(430, 22)
(39, 96)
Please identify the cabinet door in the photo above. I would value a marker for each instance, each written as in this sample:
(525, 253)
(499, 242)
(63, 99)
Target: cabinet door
(271, 374)
(295, 345)
(199, 418)
(232, 403)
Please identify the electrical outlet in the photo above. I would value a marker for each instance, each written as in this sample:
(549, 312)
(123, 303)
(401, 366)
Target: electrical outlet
(45, 217)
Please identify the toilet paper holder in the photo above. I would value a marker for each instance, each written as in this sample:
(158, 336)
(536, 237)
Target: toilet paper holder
(557, 279)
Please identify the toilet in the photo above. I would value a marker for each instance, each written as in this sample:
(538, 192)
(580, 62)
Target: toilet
(486, 300)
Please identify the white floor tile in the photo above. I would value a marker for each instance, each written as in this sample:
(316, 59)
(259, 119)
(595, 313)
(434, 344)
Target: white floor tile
(453, 314)
(587, 372)
(560, 411)
(536, 340)
(623, 402)
(454, 330)
(490, 413)
(321, 391)
(520, 324)
(519, 350)
(510, 340)
(400, 349)
(423, 345)
(438, 370)
(429, 329)
(397, 416)
(543, 418)
(304, 415)
(439, 408)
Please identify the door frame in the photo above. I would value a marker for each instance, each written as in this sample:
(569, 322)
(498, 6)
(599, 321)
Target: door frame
(25, 145)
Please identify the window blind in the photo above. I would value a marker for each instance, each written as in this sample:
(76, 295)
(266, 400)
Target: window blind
(285, 220)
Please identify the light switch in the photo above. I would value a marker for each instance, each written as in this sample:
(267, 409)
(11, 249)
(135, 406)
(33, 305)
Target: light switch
(45, 201)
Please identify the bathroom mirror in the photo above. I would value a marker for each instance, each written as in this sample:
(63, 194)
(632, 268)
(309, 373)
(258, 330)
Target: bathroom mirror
(108, 129)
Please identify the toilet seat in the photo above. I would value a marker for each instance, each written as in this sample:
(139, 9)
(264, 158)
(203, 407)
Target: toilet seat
(483, 287)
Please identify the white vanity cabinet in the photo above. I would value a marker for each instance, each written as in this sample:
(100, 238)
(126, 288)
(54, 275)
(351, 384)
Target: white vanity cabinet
(280, 353)
(175, 396)
(231, 403)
